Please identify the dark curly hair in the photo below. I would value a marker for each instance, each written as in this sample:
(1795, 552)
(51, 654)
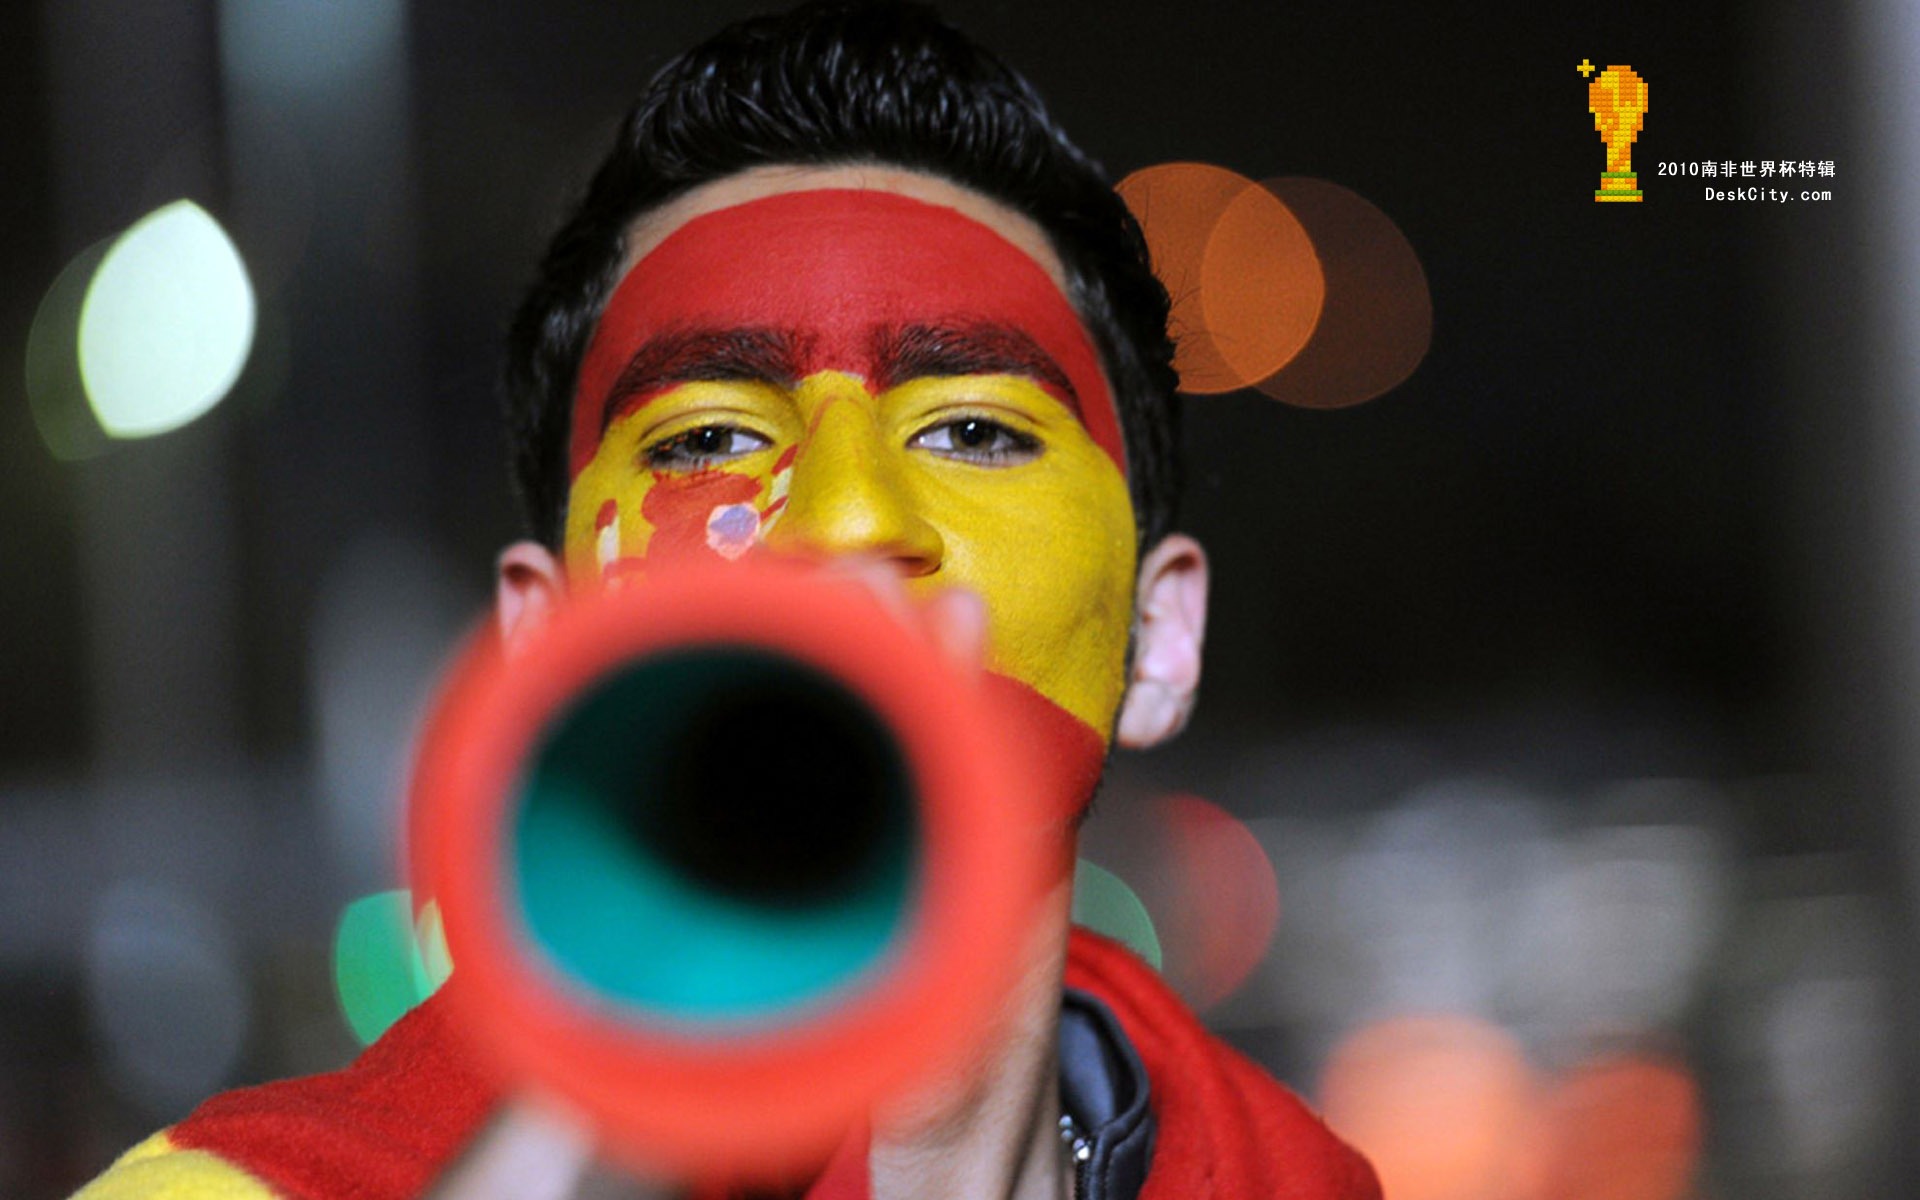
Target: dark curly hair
(845, 82)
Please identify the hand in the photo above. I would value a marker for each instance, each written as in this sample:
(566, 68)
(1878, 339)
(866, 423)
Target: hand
(531, 1151)
(952, 618)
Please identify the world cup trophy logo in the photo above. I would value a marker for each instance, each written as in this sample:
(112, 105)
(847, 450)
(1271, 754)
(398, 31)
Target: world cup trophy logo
(1618, 102)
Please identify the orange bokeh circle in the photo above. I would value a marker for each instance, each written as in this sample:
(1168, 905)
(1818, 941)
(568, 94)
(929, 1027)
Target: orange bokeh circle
(1445, 1107)
(1623, 1127)
(1240, 269)
(1376, 321)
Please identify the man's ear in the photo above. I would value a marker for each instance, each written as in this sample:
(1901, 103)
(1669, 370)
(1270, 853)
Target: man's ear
(1169, 630)
(528, 589)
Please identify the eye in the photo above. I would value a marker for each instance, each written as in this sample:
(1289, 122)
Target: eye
(704, 447)
(978, 440)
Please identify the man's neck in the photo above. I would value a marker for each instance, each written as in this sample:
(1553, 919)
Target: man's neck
(997, 1134)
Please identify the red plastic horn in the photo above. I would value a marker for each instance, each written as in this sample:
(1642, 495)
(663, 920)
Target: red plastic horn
(646, 721)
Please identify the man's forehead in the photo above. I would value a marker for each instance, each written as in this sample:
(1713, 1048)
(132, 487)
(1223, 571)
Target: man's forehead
(758, 183)
(839, 264)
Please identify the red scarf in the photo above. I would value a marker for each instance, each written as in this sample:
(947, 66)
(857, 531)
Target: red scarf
(384, 1127)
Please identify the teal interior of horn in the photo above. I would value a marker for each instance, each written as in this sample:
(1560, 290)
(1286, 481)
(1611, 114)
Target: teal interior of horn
(714, 836)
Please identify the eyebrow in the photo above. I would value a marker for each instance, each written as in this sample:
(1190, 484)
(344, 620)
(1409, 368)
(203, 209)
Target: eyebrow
(917, 350)
(675, 357)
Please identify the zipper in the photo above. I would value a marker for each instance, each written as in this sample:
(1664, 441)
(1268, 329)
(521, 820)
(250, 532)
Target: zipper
(1080, 1150)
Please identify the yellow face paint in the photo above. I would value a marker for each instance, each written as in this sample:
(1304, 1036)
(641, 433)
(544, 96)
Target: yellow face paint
(987, 482)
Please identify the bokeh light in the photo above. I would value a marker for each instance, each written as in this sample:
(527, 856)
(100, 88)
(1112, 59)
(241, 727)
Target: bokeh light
(1445, 1107)
(1438, 893)
(1642, 903)
(302, 45)
(1104, 903)
(55, 394)
(1297, 287)
(432, 962)
(166, 324)
(1244, 280)
(1262, 287)
(1376, 321)
(386, 960)
(374, 973)
(1623, 1127)
(1223, 899)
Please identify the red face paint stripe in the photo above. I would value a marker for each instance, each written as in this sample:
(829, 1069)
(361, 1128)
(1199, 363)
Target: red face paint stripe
(835, 268)
(1063, 752)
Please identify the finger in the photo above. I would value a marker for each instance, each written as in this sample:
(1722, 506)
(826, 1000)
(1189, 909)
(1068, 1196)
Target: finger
(956, 619)
(953, 618)
(881, 579)
(528, 1151)
(524, 1152)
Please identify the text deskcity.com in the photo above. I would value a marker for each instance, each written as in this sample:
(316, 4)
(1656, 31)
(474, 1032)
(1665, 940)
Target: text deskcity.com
(1774, 195)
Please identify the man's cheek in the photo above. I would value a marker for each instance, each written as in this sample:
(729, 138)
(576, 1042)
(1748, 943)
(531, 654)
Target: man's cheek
(1057, 580)
(664, 518)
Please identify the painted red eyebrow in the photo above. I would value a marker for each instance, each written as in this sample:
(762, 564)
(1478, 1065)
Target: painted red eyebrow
(898, 352)
(916, 350)
(666, 360)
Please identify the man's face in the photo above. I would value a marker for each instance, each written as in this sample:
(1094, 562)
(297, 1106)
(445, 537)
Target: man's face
(846, 370)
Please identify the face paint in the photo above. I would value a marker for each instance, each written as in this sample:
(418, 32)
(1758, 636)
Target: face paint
(682, 510)
(853, 371)
(840, 268)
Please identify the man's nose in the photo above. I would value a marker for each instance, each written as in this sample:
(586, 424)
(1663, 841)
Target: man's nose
(849, 495)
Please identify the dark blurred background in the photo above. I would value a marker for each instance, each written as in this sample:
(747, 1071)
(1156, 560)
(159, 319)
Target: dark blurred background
(1569, 689)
